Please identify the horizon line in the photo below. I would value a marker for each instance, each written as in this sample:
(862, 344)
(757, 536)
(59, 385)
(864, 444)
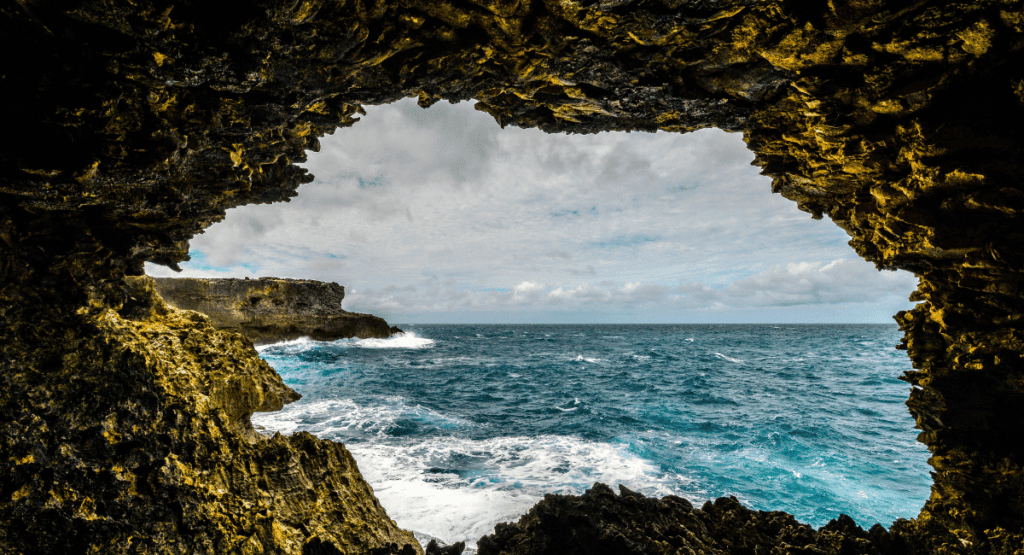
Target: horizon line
(646, 324)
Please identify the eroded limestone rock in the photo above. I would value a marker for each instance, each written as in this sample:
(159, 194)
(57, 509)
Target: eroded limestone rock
(269, 310)
(129, 127)
(126, 430)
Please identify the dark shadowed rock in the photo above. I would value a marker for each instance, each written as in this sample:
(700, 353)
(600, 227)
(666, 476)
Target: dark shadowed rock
(433, 548)
(129, 127)
(602, 523)
(268, 310)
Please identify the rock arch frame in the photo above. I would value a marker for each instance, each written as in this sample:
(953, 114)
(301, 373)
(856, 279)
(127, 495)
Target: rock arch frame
(130, 127)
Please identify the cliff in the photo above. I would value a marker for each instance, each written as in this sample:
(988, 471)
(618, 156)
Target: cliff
(269, 310)
(130, 127)
(132, 435)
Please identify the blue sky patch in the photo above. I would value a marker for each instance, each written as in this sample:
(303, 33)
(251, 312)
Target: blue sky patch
(368, 183)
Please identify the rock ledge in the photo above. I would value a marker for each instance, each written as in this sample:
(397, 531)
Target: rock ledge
(269, 310)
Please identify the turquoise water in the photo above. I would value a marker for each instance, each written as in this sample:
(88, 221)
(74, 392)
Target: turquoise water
(459, 427)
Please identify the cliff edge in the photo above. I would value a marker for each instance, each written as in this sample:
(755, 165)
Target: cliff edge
(269, 310)
(133, 436)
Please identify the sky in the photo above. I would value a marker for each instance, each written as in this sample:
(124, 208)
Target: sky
(440, 216)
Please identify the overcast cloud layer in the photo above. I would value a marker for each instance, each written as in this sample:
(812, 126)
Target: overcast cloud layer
(439, 215)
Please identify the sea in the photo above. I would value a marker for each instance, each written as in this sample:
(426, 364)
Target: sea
(460, 427)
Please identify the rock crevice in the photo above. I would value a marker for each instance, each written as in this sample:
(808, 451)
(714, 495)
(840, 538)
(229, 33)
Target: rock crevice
(132, 435)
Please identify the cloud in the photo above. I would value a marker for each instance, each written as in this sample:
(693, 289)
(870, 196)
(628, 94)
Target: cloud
(587, 271)
(428, 213)
(840, 281)
(794, 284)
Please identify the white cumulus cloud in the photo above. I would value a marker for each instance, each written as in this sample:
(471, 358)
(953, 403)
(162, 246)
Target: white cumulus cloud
(440, 215)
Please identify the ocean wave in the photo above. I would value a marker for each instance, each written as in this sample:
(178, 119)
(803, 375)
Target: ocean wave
(347, 420)
(431, 424)
(293, 346)
(458, 489)
(730, 359)
(576, 403)
(405, 340)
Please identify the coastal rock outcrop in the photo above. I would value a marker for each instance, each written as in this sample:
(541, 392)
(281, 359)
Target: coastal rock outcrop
(130, 127)
(126, 430)
(600, 522)
(268, 310)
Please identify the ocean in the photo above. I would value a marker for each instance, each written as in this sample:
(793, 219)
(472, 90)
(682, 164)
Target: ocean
(460, 427)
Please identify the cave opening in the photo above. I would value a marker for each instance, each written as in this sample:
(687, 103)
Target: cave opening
(486, 225)
(900, 122)
(438, 213)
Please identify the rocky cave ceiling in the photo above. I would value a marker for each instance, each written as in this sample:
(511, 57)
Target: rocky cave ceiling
(131, 126)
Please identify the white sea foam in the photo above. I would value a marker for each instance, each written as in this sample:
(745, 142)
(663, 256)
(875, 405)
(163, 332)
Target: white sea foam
(292, 346)
(407, 340)
(458, 489)
(575, 402)
(730, 359)
(690, 339)
(455, 488)
(581, 358)
(346, 418)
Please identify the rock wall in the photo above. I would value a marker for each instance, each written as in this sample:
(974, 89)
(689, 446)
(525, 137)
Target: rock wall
(131, 127)
(269, 310)
(126, 430)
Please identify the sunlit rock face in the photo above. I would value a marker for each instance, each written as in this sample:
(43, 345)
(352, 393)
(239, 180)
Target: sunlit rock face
(131, 127)
(269, 310)
(126, 430)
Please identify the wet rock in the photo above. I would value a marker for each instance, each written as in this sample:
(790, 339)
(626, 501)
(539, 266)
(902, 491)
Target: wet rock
(600, 522)
(454, 549)
(269, 310)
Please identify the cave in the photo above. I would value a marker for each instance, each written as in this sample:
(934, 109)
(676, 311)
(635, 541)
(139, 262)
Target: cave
(129, 128)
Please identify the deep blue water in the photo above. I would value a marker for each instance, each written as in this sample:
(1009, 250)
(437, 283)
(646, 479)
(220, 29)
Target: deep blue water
(459, 427)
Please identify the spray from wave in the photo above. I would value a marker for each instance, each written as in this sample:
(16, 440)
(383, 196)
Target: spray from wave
(406, 340)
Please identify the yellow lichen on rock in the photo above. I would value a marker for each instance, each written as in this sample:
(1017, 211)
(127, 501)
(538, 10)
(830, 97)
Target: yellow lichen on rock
(177, 396)
(899, 121)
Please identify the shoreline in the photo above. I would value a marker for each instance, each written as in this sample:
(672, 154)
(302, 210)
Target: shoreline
(269, 310)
